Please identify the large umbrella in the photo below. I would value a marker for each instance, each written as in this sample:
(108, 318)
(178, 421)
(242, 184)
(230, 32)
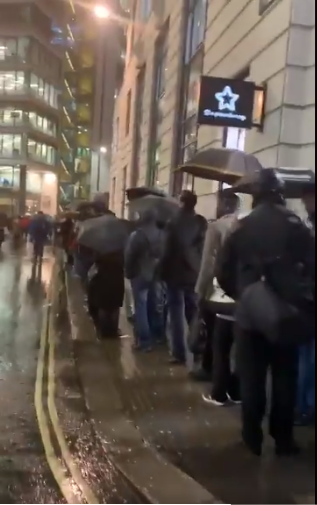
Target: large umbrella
(296, 180)
(140, 192)
(105, 234)
(223, 165)
(165, 208)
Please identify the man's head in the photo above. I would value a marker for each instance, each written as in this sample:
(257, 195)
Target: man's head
(268, 188)
(308, 198)
(40, 213)
(228, 203)
(188, 200)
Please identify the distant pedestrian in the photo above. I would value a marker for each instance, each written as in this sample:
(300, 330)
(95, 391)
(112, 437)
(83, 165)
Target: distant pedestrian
(39, 231)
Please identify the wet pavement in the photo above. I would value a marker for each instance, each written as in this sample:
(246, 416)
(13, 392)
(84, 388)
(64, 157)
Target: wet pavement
(50, 433)
(202, 441)
(24, 473)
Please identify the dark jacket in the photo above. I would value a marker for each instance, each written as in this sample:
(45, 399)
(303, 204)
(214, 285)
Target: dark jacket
(39, 229)
(105, 285)
(145, 250)
(271, 241)
(185, 243)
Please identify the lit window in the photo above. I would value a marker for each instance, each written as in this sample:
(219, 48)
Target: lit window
(10, 144)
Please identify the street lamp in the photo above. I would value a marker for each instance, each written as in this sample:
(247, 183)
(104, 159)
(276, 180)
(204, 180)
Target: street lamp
(103, 149)
(101, 12)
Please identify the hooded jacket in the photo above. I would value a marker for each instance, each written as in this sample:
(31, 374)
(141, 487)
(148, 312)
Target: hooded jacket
(145, 249)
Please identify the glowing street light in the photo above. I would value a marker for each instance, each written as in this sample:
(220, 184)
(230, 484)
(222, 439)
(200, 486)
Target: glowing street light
(101, 12)
(103, 150)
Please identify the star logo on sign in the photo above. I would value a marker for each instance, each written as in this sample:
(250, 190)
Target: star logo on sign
(227, 99)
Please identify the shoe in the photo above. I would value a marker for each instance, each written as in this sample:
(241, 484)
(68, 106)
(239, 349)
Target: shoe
(142, 348)
(234, 399)
(200, 376)
(253, 448)
(301, 420)
(287, 450)
(176, 361)
(213, 401)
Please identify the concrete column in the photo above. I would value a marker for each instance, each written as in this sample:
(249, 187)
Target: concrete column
(22, 190)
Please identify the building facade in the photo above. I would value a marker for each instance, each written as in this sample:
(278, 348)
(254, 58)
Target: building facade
(30, 82)
(170, 46)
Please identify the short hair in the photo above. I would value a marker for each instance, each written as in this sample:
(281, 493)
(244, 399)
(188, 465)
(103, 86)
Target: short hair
(189, 197)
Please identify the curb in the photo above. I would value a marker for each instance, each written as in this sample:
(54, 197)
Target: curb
(158, 480)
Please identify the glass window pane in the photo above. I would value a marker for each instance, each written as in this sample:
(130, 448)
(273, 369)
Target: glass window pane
(6, 176)
(34, 82)
(20, 80)
(31, 147)
(47, 92)
(41, 87)
(23, 48)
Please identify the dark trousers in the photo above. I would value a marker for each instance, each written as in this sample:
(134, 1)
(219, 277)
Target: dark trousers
(224, 380)
(255, 355)
(207, 359)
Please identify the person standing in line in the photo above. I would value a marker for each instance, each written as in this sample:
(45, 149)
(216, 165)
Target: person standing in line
(265, 265)
(185, 242)
(306, 394)
(143, 258)
(225, 384)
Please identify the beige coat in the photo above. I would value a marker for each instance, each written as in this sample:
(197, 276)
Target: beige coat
(216, 233)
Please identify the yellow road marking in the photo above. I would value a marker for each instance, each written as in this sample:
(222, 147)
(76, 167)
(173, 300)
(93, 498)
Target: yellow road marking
(67, 456)
(54, 463)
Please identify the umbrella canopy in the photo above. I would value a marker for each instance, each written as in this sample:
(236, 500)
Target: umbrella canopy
(135, 193)
(165, 208)
(223, 165)
(105, 234)
(296, 180)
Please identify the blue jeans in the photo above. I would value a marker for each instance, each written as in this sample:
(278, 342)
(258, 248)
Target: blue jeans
(82, 266)
(182, 305)
(306, 380)
(157, 310)
(143, 334)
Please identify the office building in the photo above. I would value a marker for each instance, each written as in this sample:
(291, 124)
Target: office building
(93, 45)
(30, 83)
(170, 46)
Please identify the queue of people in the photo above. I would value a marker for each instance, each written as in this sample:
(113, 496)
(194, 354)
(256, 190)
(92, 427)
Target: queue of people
(252, 281)
(245, 287)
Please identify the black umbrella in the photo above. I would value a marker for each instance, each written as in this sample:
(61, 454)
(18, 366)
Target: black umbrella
(165, 208)
(140, 192)
(105, 234)
(296, 180)
(223, 165)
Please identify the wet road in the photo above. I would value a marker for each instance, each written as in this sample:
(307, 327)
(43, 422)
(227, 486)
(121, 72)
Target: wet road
(48, 449)
(24, 473)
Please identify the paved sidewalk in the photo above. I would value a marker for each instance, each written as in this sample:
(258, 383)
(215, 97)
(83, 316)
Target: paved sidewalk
(202, 441)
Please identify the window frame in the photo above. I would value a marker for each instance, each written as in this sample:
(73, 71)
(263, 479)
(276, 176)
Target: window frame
(265, 5)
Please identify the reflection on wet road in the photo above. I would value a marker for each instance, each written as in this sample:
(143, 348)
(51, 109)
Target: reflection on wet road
(25, 475)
